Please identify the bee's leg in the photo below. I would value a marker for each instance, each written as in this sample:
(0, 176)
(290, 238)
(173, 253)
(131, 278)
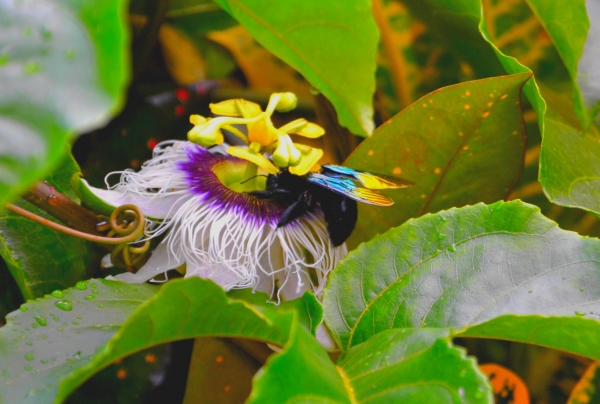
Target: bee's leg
(304, 204)
(269, 194)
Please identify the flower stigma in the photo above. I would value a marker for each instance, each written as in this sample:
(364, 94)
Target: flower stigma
(197, 196)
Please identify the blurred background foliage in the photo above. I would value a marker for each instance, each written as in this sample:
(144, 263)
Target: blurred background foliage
(188, 53)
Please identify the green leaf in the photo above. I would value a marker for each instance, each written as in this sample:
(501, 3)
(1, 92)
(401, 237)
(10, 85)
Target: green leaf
(567, 24)
(569, 167)
(184, 308)
(40, 259)
(463, 267)
(63, 69)
(308, 307)
(396, 366)
(301, 373)
(588, 67)
(46, 341)
(321, 39)
(393, 366)
(577, 334)
(460, 145)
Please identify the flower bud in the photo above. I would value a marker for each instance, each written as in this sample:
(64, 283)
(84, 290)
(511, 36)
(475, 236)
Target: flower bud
(287, 102)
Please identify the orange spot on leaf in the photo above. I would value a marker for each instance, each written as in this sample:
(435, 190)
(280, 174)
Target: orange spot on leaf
(504, 96)
(437, 170)
(397, 170)
(150, 358)
(466, 148)
(121, 374)
(486, 114)
(467, 106)
(371, 152)
(219, 359)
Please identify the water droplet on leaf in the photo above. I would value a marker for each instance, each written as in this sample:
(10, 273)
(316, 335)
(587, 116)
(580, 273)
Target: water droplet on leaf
(40, 320)
(90, 297)
(81, 285)
(29, 357)
(64, 305)
(58, 294)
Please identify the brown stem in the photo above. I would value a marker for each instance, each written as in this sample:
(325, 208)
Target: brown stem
(394, 55)
(61, 207)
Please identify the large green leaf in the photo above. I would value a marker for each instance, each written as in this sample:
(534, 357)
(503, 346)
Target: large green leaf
(569, 164)
(301, 373)
(321, 40)
(393, 366)
(63, 69)
(465, 266)
(52, 336)
(40, 259)
(567, 24)
(460, 145)
(588, 68)
(413, 366)
(186, 308)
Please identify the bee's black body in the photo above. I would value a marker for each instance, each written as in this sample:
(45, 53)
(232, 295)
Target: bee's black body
(302, 196)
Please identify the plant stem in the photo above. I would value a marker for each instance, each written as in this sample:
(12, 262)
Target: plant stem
(63, 208)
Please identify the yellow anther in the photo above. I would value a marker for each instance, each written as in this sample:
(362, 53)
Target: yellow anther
(309, 159)
(257, 159)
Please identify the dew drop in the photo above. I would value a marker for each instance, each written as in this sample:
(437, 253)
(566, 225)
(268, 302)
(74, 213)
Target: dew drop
(26, 31)
(52, 200)
(29, 343)
(27, 367)
(461, 391)
(40, 320)
(443, 219)
(75, 322)
(95, 291)
(59, 329)
(579, 313)
(80, 317)
(34, 325)
(452, 248)
(58, 294)
(64, 305)
(23, 308)
(441, 236)
(581, 289)
(44, 361)
(81, 285)
(530, 291)
(54, 317)
(5, 373)
(29, 357)
(101, 306)
(77, 355)
(90, 297)
(46, 34)
(31, 68)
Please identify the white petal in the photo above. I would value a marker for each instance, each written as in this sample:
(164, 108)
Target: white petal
(161, 261)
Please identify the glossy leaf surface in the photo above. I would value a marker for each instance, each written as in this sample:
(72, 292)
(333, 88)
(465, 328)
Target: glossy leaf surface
(42, 260)
(185, 309)
(463, 267)
(319, 40)
(52, 336)
(460, 145)
(63, 69)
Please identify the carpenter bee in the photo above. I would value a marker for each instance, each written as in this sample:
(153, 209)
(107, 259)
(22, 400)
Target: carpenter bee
(335, 189)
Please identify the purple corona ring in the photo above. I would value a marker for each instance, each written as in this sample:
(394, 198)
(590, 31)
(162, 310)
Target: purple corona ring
(197, 199)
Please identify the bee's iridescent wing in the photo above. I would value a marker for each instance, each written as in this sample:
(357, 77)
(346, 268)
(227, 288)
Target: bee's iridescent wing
(368, 180)
(348, 188)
